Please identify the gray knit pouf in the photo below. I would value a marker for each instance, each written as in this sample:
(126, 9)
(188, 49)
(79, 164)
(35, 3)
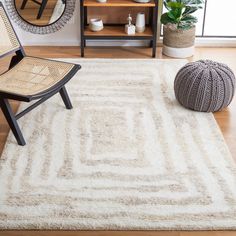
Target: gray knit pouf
(205, 85)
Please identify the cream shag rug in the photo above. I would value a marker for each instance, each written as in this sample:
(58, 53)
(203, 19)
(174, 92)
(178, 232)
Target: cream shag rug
(128, 156)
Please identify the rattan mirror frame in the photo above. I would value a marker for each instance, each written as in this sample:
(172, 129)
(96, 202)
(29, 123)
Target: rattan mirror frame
(60, 23)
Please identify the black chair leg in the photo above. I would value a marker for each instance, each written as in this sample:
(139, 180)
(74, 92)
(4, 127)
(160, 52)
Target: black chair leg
(23, 4)
(10, 117)
(41, 9)
(65, 98)
(15, 59)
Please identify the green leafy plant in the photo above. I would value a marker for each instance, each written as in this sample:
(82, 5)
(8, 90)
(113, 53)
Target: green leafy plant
(179, 13)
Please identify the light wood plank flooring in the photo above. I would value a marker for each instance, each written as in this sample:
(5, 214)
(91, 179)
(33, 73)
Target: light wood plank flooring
(225, 119)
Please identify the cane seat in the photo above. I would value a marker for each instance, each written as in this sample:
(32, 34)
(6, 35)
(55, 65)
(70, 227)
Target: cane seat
(33, 75)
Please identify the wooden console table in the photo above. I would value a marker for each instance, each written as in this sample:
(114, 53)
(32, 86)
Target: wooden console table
(117, 31)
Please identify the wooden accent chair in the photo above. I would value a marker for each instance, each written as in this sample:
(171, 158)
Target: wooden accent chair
(41, 8)
(28, 78)
(42, 5)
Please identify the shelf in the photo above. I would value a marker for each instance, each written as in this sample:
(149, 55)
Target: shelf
(116, 31)
(117, 3)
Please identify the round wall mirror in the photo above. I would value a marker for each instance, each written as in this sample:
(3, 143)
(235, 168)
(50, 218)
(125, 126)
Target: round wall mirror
(41, 16)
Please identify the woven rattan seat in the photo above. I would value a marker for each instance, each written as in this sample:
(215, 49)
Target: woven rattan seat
(33, 75)
(28, 78)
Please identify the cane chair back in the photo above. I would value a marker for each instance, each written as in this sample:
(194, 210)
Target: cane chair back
(8, 39)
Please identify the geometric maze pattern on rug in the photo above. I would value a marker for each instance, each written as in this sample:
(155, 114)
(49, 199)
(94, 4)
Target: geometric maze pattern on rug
(128, 156)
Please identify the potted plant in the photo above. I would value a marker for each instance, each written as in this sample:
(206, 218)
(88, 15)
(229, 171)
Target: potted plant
(179, 27)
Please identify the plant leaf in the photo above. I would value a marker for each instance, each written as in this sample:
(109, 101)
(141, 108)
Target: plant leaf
(175, 14)
(180, 12)
(174, 5)
(190, 19)
(190, 10)
(165, 19)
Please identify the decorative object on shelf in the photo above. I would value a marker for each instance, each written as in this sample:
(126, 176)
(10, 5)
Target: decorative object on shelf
(129, 28)
(205, 86)
(102, 1)
(142, 1)
(179, 27)
(96, 25)
(140, 22)
(61, 14)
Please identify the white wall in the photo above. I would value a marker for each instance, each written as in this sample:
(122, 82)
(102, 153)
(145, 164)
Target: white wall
(69, 35)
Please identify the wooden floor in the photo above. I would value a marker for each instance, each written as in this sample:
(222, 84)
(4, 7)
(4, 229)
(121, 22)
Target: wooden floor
(225, 119)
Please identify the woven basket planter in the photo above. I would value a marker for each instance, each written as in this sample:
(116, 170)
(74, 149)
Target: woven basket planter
(205, 86)
(178, 43)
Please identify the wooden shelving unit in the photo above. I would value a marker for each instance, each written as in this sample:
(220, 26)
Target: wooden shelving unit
(116, 31)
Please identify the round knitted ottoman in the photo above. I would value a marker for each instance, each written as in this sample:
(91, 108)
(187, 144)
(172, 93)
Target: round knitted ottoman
(205, 85)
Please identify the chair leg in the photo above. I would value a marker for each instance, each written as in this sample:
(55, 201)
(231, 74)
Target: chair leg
(23, 4)
(65, 98)
(10, 117)
(41, 9)
(14, 60)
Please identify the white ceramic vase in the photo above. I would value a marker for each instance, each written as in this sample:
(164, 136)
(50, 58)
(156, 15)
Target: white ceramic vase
(140, 22)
